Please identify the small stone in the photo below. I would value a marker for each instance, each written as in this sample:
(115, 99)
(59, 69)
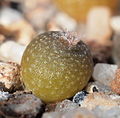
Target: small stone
(52, 115)
(21, 105)
(99, 87)
(115, 97)
(115, 84)
(98, 111)
(11, 51)
(9, 15)
(42, 14)
(104, 73)
(111, 113)
(50, 107)
(10, 76)
(116, 48)
(65, 21)
(52, 26)
(115, 23)
(79, 113)
(4, 95)
(60, 22)
(98, 25)
(79, 97)
(101, 53)
(92, 87)
(75, 113)
(2, 38)
(29, 6)
(23, 31)
(99, 99)
(66, 106)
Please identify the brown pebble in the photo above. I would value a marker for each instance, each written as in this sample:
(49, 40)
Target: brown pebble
(2, 38)
(101, 53)
(50, 107)
(115, 84)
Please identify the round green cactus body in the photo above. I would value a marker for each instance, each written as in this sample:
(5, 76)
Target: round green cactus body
(56, 65)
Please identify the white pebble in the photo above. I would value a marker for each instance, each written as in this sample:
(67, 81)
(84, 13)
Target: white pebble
(104, 73)
(12, 51)
(115, 23)
(8, 16)
(65, 21)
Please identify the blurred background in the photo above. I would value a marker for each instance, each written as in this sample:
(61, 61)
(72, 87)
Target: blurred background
(96, 21)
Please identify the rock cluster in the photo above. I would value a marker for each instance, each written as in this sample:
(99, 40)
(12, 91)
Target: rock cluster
(21, 105)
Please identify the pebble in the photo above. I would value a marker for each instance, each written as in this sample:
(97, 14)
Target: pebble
(111, 113)
(76, 113)
(115, 84)
(100, 53)
(2, 38)
(4, 95)
(21, 105)
(10, 76)
(66, 106)
(115, 97)
(115, 23)
(9, 16)
(42, 14)
(65, 21)
(99, 99)
(79, 97)
(52, 115)
(99, 87)
(98, 25)
(79, 113)
(116, 48)
(104, 73)
(11, 51)
(22, 31)
(50, 107)
(97, 112)
(92, 87)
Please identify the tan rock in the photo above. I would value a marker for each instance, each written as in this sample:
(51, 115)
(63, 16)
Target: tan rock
(39, 16)
(98, 99)
(23, 30)
(4, 30)
(98, 25)
(52, 26)
(115, 84)
(10, 76)
(34, 3)
(2, 38)
(66, 106)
